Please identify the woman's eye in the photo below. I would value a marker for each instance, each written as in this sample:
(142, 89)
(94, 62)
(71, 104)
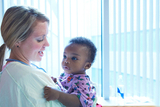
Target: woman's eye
(40, 40)
(74, 58)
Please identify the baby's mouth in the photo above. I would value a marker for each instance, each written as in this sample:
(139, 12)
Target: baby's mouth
(65, 67)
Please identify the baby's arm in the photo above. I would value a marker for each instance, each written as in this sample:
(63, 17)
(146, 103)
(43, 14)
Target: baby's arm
(69, 100)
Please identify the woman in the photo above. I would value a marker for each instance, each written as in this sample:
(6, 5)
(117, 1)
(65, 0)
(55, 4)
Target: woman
(24, 32)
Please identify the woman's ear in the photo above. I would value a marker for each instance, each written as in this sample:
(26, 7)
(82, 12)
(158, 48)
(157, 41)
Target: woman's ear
(17, 44)
(88, 65)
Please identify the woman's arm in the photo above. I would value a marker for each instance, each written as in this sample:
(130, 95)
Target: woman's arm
(69, 100)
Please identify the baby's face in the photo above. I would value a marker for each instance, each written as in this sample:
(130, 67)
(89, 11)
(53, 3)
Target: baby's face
(75, 58)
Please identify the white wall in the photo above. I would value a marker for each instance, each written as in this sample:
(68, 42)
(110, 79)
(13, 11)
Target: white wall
(1, 10)
(1, 41)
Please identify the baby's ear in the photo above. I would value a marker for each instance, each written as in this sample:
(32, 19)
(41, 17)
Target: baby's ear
(88, 65)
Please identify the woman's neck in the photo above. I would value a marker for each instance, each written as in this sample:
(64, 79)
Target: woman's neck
(18, 57)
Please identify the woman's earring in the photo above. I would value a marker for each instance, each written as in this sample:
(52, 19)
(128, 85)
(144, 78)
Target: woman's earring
(17, 46)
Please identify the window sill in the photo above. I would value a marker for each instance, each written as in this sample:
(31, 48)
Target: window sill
(113, 103)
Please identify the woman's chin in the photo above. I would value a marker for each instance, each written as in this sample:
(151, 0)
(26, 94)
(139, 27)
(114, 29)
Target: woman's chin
(37, 60)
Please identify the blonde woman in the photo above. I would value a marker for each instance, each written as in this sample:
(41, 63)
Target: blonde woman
(24, 32)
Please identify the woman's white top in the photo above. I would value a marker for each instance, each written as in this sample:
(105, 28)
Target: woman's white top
(22, 86)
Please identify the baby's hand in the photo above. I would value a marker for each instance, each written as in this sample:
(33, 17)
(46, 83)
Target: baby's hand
(50, 93)
(54, 79)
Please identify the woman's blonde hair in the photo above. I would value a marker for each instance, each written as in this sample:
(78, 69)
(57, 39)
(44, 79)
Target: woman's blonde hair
(17, 24)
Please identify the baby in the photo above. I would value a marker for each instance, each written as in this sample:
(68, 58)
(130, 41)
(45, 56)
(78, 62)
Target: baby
(76, 88)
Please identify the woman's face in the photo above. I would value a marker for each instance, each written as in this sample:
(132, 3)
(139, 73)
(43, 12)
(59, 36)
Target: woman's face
(32, 48)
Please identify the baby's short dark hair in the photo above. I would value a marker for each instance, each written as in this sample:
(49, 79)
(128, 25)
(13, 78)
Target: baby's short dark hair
(87, 43)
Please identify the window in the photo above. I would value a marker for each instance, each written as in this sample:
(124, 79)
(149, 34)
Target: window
(125, 32)
(134, 47)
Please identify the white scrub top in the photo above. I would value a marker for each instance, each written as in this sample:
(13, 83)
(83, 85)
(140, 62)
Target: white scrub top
(22, 86)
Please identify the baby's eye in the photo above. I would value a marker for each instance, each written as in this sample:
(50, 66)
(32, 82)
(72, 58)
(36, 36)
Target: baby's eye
(64, 56)
(74, 58)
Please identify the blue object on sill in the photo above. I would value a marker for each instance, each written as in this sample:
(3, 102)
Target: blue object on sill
(122, 94)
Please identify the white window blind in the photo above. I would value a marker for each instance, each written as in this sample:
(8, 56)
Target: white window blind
(134, 47)
(127, 31)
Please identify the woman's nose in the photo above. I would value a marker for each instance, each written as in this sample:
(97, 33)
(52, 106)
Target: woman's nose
(46, 42)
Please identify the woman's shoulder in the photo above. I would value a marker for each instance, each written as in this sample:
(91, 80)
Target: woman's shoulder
(14, 64)
(24, 74)
(22, 71)
(16, 67)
